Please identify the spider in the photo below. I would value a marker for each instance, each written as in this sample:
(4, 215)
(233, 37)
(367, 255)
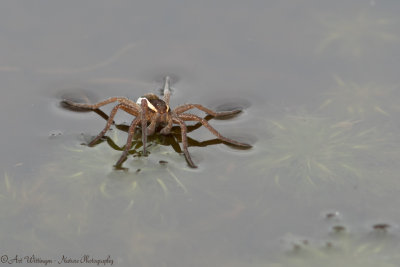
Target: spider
(150, 112)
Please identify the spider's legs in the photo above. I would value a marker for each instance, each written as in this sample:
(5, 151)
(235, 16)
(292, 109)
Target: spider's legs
(167, 128)
(191, 117)
(123, 100)
(128, 145)
(186, 107)
(167, 91)
(184, 140)
(144, 124)
(153, 124)
(109, 122)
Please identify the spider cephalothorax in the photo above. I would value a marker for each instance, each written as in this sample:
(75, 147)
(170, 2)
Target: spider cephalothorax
(154, 103)
(150, 112)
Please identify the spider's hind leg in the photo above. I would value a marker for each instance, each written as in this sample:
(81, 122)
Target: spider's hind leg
(186, 107)
(191, 117)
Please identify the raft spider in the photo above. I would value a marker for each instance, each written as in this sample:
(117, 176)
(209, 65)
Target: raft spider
(150, 112)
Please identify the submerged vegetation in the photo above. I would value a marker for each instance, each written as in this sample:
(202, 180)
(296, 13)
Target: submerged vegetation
(27, 209)
(65, 199)
(91, 168)
(360, 100)
(307, 150)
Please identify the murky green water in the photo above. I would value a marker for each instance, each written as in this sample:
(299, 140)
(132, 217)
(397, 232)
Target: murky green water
(320, 90)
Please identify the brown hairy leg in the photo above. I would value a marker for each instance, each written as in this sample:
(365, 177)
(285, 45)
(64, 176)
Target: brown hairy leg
(184, 140)
(122, 100)
(186, 107)
(128, 145)
(109, 122)
(191, 117)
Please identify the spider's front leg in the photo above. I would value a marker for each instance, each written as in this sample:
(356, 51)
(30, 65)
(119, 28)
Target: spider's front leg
(128, 145)
(184, 140)
(186, 107)
(167, 129)
(153, 124)
(143, 119)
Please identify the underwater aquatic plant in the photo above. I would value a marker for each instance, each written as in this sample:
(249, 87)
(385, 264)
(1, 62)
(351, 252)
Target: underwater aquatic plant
(19, 196)
(87, 187)
(360, 100)
(354, 36)
(27, 210)
(84, 170)
(310, 150)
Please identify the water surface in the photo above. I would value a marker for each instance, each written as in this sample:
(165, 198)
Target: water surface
(319, 87)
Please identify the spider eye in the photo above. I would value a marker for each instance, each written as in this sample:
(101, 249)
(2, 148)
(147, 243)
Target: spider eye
(139, 102)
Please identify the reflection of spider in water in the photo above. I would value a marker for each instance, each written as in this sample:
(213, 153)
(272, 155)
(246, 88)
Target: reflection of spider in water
(150, 109)
(171, 140)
